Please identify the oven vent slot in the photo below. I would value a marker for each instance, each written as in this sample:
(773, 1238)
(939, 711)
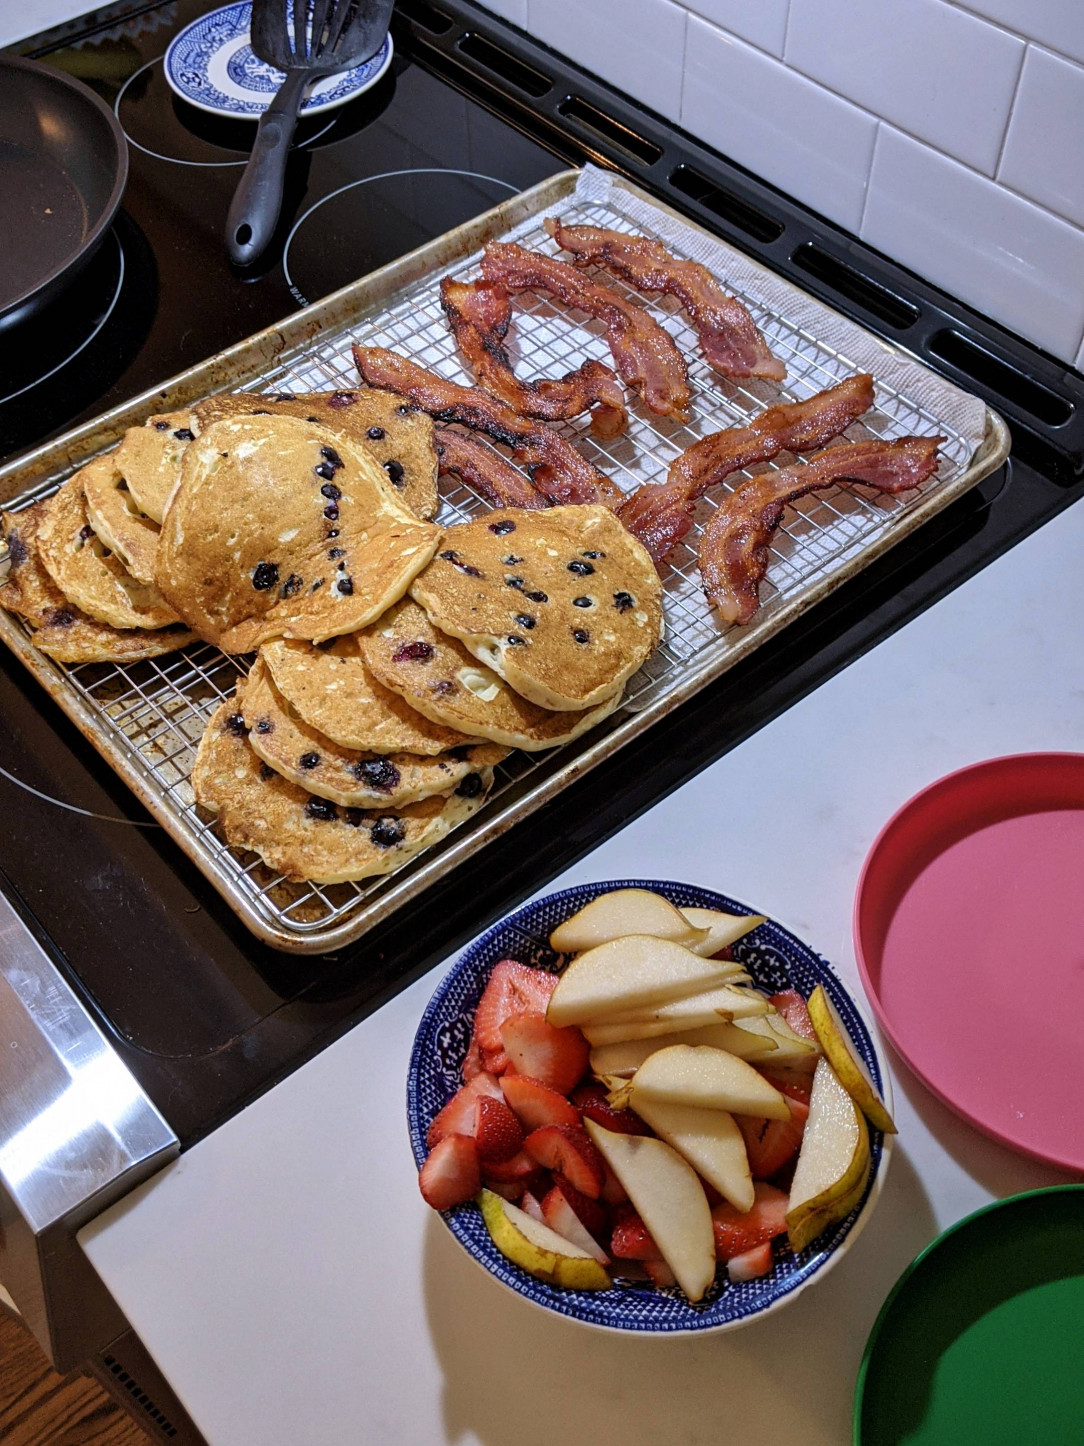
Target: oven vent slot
(582, 113)
(425, 15)
(846, 281)
(493, 58)
(140, 1397)
(725, 204)
(998, 376)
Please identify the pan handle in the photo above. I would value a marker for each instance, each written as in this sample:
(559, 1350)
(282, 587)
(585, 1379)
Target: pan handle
(254, 210)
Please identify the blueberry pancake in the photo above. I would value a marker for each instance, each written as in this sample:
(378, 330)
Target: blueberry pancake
(346, 776)
(149, 459)
(564, 604)
(305, 837)
(116, 518)
(62, 630)
(279, 528)
(85, 570)
(436, 675)
(329, 687)
(397, 435)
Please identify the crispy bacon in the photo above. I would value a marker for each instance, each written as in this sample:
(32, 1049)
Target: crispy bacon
(479, 313)
(644, 354)
(660, 513)
(728, 335)
(556, 468)
(734, 547)
(477, 464)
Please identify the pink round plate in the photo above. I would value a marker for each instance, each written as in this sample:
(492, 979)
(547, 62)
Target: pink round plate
(969, 932)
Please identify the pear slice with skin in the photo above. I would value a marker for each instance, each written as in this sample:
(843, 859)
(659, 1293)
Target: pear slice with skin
(722, 929)
(626, 974)
(851, 1070)
(536, 1248)
(791, 1048)
(667, 1194)
(627, 1057)
(709, 1079)
(623, 912)
(833, 1162)
(709, 1139)
(695, 1011)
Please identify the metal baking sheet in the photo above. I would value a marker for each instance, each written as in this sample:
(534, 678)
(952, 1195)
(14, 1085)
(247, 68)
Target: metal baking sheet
(147, 718)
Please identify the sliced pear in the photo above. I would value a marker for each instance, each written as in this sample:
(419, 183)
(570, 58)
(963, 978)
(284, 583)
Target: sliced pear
(709, 1079)
(709, 1139)
(627, 1057)
(833, 1161)
(621, 913)
(844, 1059)
(626, 974)
(791, 1048)
(695, 1011)
(722, 929)
(668, 1196)
(538, 1249)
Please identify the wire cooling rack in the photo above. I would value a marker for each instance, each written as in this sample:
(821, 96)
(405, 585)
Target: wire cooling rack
(148, 717)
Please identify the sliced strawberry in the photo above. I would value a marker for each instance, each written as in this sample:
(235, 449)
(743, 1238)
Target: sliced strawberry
(567, 1149)
(795, 1089)
(659, 1273)
(631, 1239)
(590, 1100)
(736, 1233)
(593, 1213)
(536, 1104)
(771, 1144)
(472, 1061)
(791, 1006)
(459, 1115)
(726, 952)
(510, 1190)
(613, 1192)
(560, 1216)
(512, 989)
(495, 1061)
(520, 1168)
(530, 1206)
(713, 1196)
(751, 1264)
(451, 1174)
(498, 1133)
(554, 1057)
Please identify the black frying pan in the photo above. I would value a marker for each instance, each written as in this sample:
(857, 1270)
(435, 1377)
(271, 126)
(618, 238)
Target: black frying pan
(63, 165)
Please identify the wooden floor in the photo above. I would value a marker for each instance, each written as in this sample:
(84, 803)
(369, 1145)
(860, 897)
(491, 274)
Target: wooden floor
(40, 1408)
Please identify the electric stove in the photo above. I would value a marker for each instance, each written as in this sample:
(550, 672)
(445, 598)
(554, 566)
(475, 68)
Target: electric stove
(471, 111)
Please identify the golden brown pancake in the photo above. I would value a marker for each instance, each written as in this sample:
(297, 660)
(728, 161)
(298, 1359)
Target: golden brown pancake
(116, 518)
(149, 459)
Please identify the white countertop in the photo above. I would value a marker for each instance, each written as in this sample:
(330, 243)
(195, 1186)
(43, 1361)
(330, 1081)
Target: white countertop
(297, 1292)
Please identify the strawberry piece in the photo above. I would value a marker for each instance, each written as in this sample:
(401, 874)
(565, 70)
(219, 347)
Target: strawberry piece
(512, 989)
(568, 1150)
(510, 1190)
(791, 1006)
(497, 1131)
(472, 1061)
(726, 952)
(794, 1089)
(560, 1216)
(631, 1239)
(554, 1057)
(495, 1061)
(771, 1144)
(659, 1273)
(520, 1169)
(536, 1104)
(751, 1264)
(459, 1116)
(591, 1101)
(736, 1233)
(451, 1174)
(613, 1192)
(595, 1216)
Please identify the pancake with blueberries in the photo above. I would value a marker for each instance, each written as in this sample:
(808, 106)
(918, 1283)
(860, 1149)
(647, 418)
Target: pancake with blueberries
(149, 459)
(305, 837)
(565, 604)
(279, 528)
(346, 776)
(117, 519)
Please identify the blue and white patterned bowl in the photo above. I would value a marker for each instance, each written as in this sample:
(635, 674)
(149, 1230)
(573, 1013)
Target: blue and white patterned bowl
(210, 64)
(776, 960)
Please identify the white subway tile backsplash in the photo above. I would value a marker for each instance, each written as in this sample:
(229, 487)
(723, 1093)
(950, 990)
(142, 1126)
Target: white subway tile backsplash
(1000, 253)
(935, 71)
(514, 10)
(763, 22)
(776, 123)
(637, 45)
(1080, 358)
(1057, 23)
(1044, 150)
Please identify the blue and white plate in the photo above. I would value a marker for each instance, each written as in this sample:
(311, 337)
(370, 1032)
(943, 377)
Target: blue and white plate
(210, 64)
(776, 960)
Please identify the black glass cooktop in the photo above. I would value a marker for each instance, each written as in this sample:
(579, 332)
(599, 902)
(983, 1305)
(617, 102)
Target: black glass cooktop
(469, 112)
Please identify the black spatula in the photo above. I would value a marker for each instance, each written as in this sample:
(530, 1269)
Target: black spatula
(308, 39)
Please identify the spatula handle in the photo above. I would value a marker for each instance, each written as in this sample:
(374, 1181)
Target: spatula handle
(254, 210)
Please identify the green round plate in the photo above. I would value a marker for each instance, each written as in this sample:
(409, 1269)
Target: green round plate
(980, 1342)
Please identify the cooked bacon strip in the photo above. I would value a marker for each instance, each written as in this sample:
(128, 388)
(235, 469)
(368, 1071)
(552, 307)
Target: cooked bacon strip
(484, 469)
(479, 313)
(644, 354)
(728, 335)
(660, 513)
(556, 468)
(734, 547)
